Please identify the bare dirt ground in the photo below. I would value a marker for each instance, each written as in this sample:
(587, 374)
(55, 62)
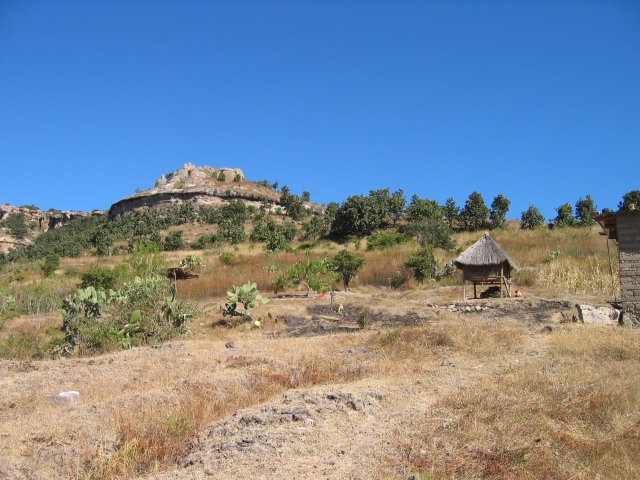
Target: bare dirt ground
(317, 395)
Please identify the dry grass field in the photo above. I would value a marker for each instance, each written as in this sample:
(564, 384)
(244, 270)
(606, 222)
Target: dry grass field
(396, 384)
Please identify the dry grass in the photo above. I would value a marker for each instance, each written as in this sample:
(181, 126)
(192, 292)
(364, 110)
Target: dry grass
(152, 437)
(574, 415)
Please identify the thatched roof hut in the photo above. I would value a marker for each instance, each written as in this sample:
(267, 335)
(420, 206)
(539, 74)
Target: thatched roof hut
(485, 263)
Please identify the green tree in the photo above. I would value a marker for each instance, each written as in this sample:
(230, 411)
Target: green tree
(173, 241)
(306, 196)
(315, 227)
(422, 263)
(397, 204)
(357, 216)
(293, 204)
(381, 203)
(103, 241)
(433, 232)
(498, 213)
(586, 210)
(531, 218)
(16, 224)
(474, 215)
(451, 212)
(630, 198)
(423, 209)
(564, 217)
(347, 265)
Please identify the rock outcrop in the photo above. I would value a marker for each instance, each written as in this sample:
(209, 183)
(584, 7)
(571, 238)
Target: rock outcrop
(202, 186)
(38, 220)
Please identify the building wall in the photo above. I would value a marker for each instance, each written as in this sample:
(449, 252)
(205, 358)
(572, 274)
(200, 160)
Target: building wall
(628, 229)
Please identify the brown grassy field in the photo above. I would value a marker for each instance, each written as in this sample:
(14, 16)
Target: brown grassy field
(395, 386)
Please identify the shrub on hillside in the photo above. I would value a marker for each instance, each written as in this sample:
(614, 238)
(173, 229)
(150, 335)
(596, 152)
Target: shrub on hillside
(531, 218)
(385, 240)
(422, 263)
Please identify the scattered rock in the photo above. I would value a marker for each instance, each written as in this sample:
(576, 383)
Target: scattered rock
(598, 315)
(230, 344)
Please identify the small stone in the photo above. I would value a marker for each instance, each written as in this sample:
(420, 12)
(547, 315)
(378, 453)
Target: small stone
(230, 344)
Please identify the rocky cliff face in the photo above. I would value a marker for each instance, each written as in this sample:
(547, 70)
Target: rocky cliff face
(203, 186)
(37, 220)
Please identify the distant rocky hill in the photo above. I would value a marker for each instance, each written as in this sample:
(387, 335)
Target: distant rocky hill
(36, 220)
(202, 186)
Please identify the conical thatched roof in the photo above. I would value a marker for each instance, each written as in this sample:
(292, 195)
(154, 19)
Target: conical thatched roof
(484, 252)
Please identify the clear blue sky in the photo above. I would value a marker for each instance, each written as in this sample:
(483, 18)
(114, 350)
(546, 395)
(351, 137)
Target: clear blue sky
(537, 100)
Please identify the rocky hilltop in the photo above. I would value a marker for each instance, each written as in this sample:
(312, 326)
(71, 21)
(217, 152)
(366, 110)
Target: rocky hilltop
(202, 186)
(37, 220)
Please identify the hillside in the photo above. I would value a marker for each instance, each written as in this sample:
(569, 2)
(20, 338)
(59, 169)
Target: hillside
(393, 378)
(29, 222)
(203, 187)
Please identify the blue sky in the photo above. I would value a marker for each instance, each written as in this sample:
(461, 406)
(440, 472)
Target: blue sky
(537, 100)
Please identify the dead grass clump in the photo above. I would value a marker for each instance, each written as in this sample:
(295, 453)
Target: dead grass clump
(153, 437)
(593, 344)
(565, 417)
(472, 337)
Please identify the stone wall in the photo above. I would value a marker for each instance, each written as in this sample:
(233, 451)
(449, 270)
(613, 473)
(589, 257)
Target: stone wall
(628, 230)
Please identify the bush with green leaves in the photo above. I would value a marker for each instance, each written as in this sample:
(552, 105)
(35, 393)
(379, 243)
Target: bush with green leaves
(226, 258)
(49, 266)
(531, 218)
(313, 274)
(143, 311)
(147, 260)
(316, 227)
(293, 205)
(586, 211)
(192, 263)
(629, 199)
(173, 241)
(564, 217)
(103, 277)
(88, 302)
(347, 265)
(16, 224)
(386, 240)
(277, 236)
(422, 263)
(246, 295)
(433, 231)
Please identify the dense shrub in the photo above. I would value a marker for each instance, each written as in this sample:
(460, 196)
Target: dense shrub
(173, 241)
(104, 278)
(347, 265)
(49, 266)
(384, 240)
(422, 263)
(531, 218)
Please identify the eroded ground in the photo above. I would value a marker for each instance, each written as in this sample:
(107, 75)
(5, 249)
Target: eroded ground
(502, 389)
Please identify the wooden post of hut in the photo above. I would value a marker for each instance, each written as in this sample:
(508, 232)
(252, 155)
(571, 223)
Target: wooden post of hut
(485, 263)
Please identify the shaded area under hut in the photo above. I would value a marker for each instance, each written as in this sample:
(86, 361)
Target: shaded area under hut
(485, 263)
